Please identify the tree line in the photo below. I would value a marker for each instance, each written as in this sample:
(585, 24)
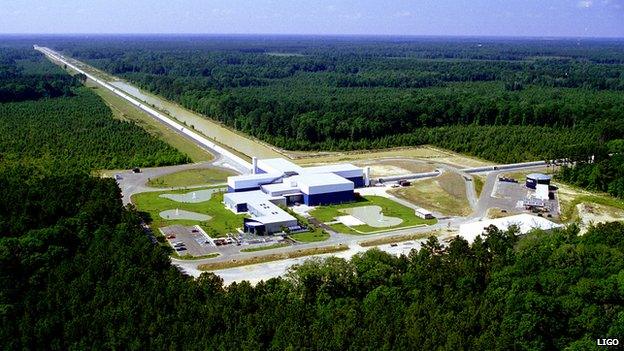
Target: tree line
(20, 82)
(71, 130)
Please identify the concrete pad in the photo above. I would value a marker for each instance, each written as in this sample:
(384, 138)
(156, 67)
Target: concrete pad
(182, 214)
(349, 221)
(373, 216)
(192, 196)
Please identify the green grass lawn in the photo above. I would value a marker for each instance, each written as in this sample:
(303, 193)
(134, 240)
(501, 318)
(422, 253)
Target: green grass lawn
(309, 237)
(191, 177)
(223, 221)
(390, 208)
(341, 228)
(445, 194)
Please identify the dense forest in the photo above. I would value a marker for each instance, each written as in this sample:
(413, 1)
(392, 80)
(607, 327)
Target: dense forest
(606, 175)
(78, 272)
(24, 77)
(48, 119)
(542, 98)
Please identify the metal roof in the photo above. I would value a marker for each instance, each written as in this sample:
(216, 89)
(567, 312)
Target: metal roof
(279, 165)
(319, 179)
(340, 167)
(268, 212)
(525, 222)
(538, 176)
(259, 176)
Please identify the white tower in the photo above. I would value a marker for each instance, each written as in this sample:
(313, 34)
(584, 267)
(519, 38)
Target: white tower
(254, 165)
(367, 176)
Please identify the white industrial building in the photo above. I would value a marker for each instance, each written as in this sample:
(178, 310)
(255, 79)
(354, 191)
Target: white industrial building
(525, 223)
(279, 181)
(266, 216)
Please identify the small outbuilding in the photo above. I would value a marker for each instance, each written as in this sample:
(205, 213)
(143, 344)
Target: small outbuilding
(533, 179)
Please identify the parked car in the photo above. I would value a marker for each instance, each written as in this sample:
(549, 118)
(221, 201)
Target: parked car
(118, 177)
(178, 244)
(136, 170)
(182, 248)
(170, 236)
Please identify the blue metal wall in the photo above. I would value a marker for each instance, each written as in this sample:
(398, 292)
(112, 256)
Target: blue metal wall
(532, 183)
(328, 198)
(232, 190)
(357, 181)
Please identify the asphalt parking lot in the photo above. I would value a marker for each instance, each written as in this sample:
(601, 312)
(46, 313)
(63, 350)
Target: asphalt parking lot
(188, 240)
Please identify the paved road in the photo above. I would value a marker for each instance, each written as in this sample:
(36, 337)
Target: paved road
(487, 199)
(133, 183)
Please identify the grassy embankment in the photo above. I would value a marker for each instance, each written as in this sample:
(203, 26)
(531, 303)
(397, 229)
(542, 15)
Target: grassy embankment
(445, 194)
(223, 221)
(265, 247)
(272, 257)
(398, 238)
(389, 208)
(478, 184)
(187, 257)
(192, 177)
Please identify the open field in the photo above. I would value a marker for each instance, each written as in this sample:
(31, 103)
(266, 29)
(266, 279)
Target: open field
(428, 153)
(393, 167)
(191, 177)
(222, 222)
(125, 111)
(445, 194)
(398, 238)
(273, 257)
(388, 207)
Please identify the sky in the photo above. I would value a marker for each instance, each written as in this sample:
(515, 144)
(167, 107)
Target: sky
(534, 18)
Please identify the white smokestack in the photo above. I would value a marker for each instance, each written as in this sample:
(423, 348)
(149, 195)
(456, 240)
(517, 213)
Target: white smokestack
(367, 176)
